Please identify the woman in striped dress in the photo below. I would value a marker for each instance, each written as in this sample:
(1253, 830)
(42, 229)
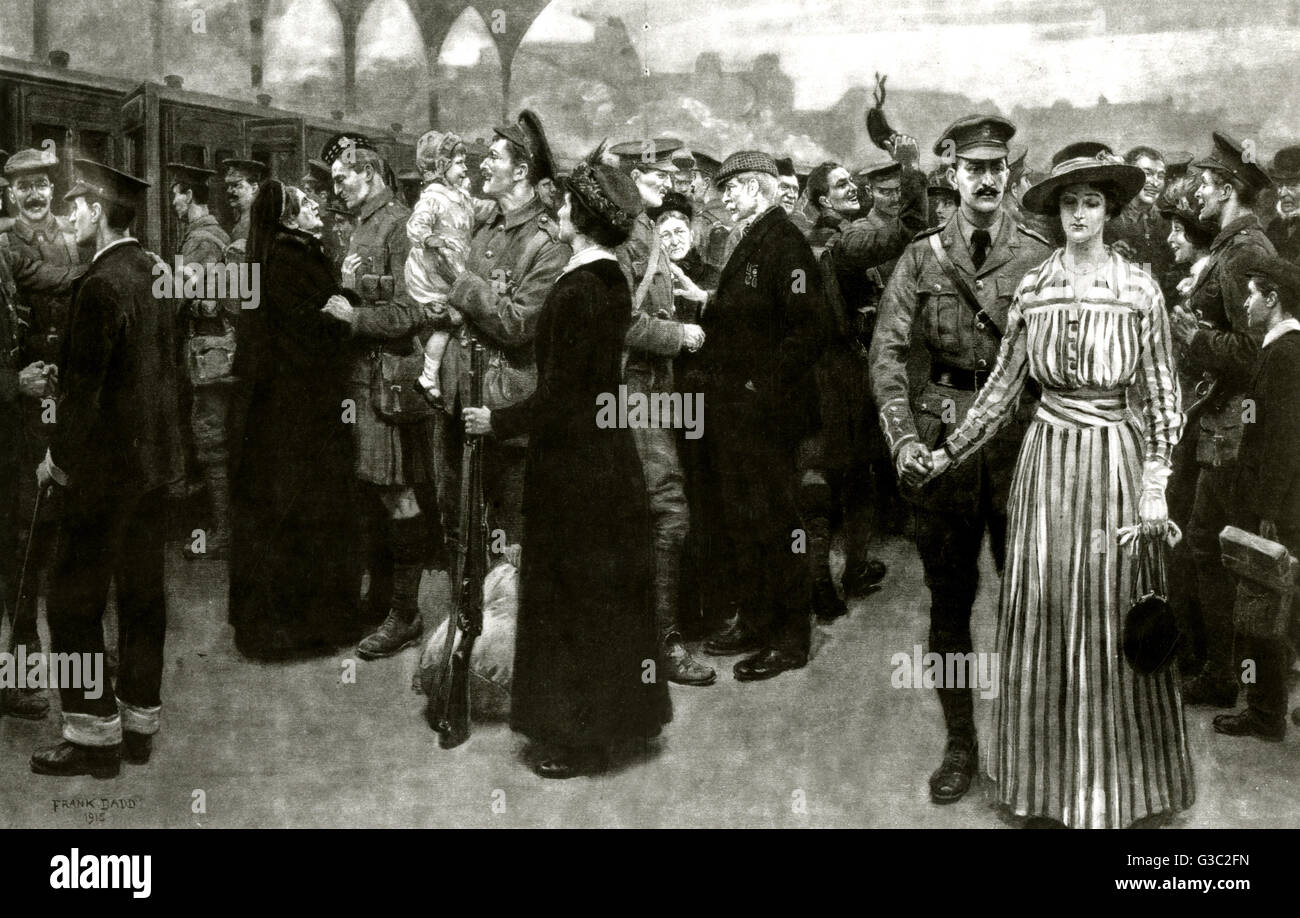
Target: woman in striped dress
(1080, 737)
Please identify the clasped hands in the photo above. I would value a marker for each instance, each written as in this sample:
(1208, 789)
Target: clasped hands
(917, 465)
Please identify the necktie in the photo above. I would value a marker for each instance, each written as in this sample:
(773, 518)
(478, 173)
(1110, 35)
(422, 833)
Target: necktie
(979, 245)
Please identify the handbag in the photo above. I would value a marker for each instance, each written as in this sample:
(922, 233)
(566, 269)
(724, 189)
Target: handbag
(1150, 633)
(1266, 580)
(393, 392)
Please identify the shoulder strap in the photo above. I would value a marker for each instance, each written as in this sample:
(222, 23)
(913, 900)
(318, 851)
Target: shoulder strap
(532, 248)
(643, 288)
(963, 288)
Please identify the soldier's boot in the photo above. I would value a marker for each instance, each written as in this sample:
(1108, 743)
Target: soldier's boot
(402, 626)
(676, 661)
(216, 542)
(952, 779)
(827, 603)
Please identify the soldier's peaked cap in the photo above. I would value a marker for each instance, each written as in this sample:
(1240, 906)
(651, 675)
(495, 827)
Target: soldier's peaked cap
(251, 169)
(527, 132)
(337, 145)
(1236, 159)
(104, 182)
(30, 160)
(654, 154)
(190, 175)
(976, 137)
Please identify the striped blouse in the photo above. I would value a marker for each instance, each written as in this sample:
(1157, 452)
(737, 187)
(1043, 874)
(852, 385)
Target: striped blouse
(1085, 348)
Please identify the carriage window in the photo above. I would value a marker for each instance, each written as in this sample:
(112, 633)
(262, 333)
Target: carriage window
(134, 152)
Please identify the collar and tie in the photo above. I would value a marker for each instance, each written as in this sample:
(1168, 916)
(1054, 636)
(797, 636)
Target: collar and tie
(979, 247)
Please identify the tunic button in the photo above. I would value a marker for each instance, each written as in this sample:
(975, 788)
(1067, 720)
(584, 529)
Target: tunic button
(938, 287)
(488, 253)
(983, 362)
(979, 285)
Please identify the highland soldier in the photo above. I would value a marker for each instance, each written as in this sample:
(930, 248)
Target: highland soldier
(951, 290)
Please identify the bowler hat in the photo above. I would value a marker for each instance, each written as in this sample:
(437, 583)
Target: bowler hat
(1087, 162)
(1286, 166)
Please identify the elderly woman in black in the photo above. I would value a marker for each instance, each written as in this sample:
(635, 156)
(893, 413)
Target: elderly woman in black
(585, 646)
(294, 584)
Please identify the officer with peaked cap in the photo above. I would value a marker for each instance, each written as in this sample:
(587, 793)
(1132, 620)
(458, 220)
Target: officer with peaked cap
(1218, 345)
(242, 178)
(112, 457)
(514, 259)
(45, 260)
(1284, 229)
(711, 226)
(1266, 492)
(950, 292)
(209, 329)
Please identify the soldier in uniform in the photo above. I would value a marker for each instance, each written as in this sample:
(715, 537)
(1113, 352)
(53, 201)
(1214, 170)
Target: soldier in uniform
(1284, 229)
(395, 461)
(514, 259)
(45, 259)
(655, 337)
(114, 454)
(1217, 343)
(209, 327)
(242, 178)
(984, 251)
(711, 225)
(32, 382)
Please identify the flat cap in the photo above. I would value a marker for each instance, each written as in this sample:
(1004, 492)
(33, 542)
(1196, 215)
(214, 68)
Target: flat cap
(976, 137)
(745, 161)
(527, 132)
(1235, 159)
(251, 169)
(656, 154)
(94, 179)
(30, 160)
(1286, 166)
(1278, 270)
(190, 175)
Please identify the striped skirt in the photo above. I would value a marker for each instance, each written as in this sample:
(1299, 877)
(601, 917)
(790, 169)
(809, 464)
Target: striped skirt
(1078, 735)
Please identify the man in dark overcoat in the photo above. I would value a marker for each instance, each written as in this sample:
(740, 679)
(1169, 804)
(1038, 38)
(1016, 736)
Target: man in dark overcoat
(115, 451)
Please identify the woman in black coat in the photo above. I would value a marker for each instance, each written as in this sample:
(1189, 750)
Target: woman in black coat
(585, 644)
(294, 579)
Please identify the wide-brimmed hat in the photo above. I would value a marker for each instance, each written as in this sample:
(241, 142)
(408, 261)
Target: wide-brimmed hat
(606, 191)
(1285, 169)
(1188, 213)
(1087, 162)
(30, 160)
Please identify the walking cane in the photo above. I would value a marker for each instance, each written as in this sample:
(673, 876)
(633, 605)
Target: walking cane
(22, 575)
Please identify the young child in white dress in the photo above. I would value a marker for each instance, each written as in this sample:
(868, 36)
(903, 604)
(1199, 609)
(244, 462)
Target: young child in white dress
(442, 218)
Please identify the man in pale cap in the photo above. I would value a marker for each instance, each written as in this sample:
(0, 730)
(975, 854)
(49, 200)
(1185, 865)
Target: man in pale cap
(767, 325)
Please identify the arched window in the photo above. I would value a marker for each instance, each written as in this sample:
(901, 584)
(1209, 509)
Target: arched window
(392, 67)
(304, 56)
(468, 78)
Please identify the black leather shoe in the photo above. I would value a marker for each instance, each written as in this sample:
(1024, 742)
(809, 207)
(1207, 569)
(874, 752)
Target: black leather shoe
(136, 747)
(861, 579)
(1203, 690)
(766, 664)
(570, 763)
(68, 759)
(733, 639)
(682, 668)
(1247, 724)
(952, 779)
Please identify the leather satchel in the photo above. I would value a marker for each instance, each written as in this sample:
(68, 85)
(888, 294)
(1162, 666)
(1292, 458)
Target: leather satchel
(393, 392)
(1266, 580)
(211, 358)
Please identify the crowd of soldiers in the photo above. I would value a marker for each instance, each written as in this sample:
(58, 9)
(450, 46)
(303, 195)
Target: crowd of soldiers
(819, 289)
